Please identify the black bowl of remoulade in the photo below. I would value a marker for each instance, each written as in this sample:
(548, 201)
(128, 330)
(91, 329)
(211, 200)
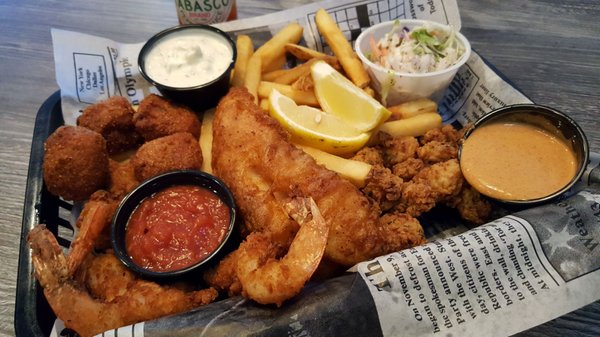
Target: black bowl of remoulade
(174, 225)
(524, 154)
(189, 64)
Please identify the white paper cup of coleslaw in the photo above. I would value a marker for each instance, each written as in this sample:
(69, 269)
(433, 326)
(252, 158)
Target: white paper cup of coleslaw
(395, 87)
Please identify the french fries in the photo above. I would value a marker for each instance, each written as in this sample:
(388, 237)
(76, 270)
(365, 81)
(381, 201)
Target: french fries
(245, 49)
(412, 108)
(304, 83)
(264, 104)
(369, 91)
(306, 54)
(252, 79)
(206, 139)
(271, 76)
(353, 170)
(262, 71)
(342, 49)
(300, 97)
(295, 73)
(414, 126)
(277, 63)
(274, 50)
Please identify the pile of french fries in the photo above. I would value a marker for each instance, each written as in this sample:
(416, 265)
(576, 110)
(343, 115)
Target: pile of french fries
(262, 70)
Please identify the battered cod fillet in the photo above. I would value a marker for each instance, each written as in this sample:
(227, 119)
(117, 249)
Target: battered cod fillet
(252, 154)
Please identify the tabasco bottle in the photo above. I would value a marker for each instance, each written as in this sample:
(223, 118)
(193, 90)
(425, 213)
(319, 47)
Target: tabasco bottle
(205, 11)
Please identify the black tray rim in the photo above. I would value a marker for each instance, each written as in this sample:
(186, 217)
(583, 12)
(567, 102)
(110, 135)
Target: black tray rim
(25, 319)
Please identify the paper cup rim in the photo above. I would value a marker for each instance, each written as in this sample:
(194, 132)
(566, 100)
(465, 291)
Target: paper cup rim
(412, 23)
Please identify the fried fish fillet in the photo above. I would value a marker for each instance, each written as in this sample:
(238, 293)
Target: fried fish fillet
(252, 154)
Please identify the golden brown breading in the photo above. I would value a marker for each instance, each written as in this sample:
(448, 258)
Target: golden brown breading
(398, 149)
(383, 187)
(433, 184)
(430, 171)
(158, 117)
(436, 151)
(178, 151)
(408, 168)
(113, 119)
(369, 155)
(75, 162)
(122, 178)
(417, 198)
(471, 205)
(445, 134)
(405, 227)
(445, 178)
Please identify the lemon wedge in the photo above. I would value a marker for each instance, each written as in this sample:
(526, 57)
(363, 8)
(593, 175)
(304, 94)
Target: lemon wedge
(339, 97)
(313, 127)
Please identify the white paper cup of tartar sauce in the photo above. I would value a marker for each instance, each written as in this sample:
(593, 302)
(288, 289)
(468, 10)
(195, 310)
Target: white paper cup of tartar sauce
(190, 64)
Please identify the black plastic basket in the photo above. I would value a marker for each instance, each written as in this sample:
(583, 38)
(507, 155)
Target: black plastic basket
(33, 315)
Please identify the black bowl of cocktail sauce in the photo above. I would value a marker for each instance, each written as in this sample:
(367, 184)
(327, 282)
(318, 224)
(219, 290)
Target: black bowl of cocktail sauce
(524, 154)
(174, 224)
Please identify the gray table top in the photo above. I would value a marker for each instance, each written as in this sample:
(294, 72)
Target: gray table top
(550, 49)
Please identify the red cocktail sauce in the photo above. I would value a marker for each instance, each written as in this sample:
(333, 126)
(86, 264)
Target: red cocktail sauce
(176, 228)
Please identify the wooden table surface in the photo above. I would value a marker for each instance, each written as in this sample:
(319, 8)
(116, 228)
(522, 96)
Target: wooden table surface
(550, 49)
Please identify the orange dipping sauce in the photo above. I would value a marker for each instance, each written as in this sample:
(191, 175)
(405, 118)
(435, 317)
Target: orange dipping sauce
(516, 161)
(176, 228)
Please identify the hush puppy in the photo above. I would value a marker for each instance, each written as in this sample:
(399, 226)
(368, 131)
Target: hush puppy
(113, 119)
(75, 162)
(158, 117)
(174, 152)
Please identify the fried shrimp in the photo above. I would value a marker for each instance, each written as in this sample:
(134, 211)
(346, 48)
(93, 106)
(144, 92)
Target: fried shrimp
(93, 220)
(267, 280)
(141, 300)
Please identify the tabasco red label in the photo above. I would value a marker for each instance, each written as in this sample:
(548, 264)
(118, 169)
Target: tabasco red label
(205, 11)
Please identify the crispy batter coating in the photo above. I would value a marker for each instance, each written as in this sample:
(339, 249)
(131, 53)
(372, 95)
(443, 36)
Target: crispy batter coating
(445, 134)
(369, 155)
(436, 151)
(471, 205)
(430, 171)
(402, 228)
(75, 162)
(158, 117)
(408, 168)
(383, 187)
(398, 149)
(113, 119)
(178, 151)
(431, 185)
(122, 178)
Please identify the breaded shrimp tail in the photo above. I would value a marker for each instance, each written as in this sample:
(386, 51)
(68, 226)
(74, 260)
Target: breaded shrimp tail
(253, 155)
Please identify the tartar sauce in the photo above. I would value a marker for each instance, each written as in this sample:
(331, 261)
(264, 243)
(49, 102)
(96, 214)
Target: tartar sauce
(188, 58)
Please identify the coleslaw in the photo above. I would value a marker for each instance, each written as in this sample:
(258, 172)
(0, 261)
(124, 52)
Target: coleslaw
(422, 49)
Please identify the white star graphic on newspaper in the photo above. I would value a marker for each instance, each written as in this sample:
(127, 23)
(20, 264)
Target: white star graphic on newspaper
(558, 240)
